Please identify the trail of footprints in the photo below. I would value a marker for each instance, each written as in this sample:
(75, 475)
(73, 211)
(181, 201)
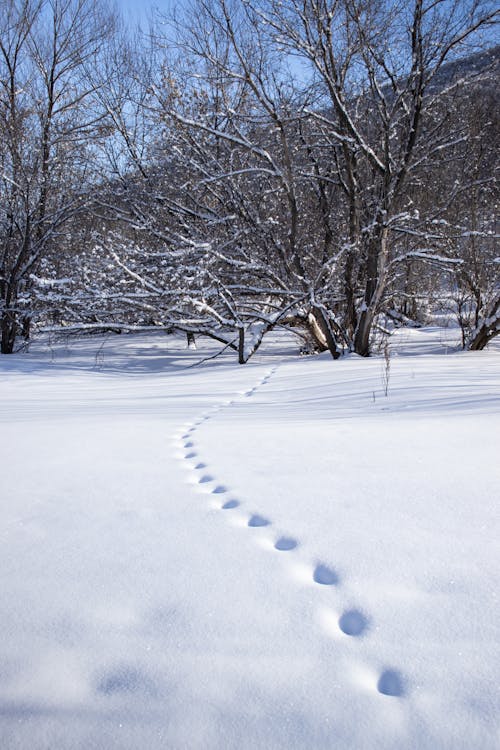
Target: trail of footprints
(352, 622)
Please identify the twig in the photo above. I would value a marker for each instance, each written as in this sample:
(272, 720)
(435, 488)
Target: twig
(212, 356)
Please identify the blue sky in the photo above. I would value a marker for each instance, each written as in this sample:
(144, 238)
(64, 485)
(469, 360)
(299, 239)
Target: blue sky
(138, 9)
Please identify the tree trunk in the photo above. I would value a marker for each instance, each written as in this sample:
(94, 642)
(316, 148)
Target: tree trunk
(488, 328)
(376, 277)
(363, 330)
(322, 331)
(241, 346)
(26, 327)
(9, 331)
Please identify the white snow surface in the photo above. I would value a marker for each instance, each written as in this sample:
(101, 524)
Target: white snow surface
(218, 557)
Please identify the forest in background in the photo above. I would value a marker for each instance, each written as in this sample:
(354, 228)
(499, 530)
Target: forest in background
(323, 166)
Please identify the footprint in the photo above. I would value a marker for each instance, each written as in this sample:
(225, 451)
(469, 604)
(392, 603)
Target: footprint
(205, 478)
(189, 444)
(391, 683)
(192, 454)
(219, 490)
(285, 543)
(353, 622)
(257, 520)
(230, 504)
(201, 465)
(124, 680)
(325, 575)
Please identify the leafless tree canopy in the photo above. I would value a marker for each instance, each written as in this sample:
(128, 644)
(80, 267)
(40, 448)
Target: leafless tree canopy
(244, 165)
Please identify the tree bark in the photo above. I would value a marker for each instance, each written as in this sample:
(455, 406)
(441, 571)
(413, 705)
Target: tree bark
(488, 328)
(241, 346)
(9, 331)
(322, 331)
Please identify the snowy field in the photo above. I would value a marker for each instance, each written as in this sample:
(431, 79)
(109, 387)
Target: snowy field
(274, 556)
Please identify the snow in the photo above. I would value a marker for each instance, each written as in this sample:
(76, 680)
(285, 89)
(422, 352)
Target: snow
(269, 556)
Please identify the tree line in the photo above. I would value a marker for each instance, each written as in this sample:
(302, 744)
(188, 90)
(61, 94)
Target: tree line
(323, 165)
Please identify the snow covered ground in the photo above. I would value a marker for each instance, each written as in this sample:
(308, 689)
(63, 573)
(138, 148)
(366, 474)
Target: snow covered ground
(242, 558)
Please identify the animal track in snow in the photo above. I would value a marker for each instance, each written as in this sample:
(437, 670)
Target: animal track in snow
(230, 505)
(257, 520)
(352, 622)
(325, 575)
(391, 682)
(285, 543)
(123, 680)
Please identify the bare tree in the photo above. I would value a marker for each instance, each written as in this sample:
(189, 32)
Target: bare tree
(50, 120)
(379, 66)
(282, 163)
(302, 183)
(234, 136)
